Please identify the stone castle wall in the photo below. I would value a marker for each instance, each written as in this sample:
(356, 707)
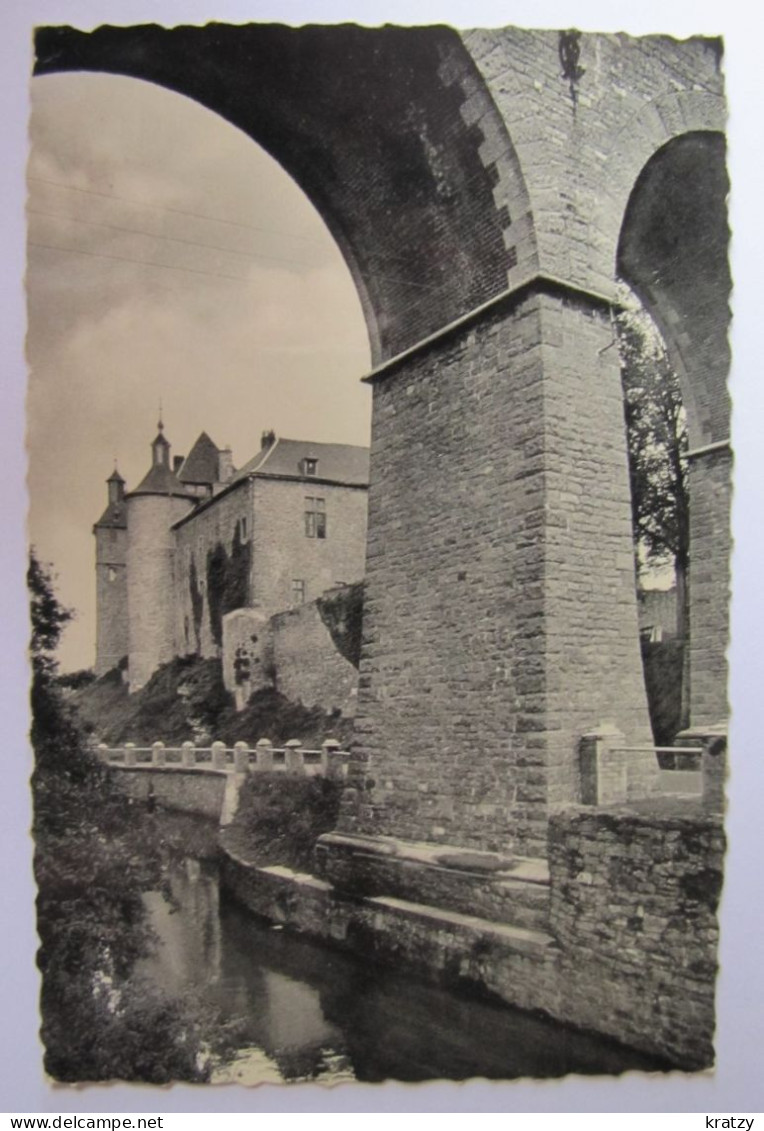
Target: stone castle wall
(282, 553)
(111, 598)
(307, 666)
(293, 652)
(150, 582)
(196, 540)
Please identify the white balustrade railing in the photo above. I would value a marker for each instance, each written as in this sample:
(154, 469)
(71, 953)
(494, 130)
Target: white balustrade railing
(293, 758)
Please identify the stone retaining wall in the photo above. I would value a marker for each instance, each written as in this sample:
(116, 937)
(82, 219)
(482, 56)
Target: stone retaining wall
(629, 951)
(633, 908)
(199, 791)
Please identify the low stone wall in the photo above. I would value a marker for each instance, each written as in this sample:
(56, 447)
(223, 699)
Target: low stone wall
(633, 900)
(294, 651)
(438, 944)
(628, 949)
(307, 666)
(198, 791)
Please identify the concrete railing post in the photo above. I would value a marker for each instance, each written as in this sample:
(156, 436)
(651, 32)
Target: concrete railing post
(103, 752)
(264, 750)
(604, 777)
(241, 758)
(158, 755)
(188, 755)
(293, 757)
(218, 756)
(131, 758)
(331, 764)
(713, 762)
(714, 773)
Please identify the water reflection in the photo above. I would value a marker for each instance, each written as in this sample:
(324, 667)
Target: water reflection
(304, 1012)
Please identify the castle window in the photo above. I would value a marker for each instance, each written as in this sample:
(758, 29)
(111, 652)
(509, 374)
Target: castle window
(311, 466)
(315, 518)
(298, 591)
(112, 574)
(242, 530)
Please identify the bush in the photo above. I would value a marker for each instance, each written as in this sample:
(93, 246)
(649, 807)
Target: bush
(281, 817)
(73, 681)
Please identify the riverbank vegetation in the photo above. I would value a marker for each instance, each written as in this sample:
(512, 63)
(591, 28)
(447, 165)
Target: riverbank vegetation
(277, 826)
(95, 856)
(185, 701)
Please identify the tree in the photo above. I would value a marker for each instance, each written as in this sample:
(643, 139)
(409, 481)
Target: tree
(62, 759)
(49, 618)
(657, 445)
(94, 857)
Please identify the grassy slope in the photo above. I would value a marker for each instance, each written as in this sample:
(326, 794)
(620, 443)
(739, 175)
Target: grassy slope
(185, 701)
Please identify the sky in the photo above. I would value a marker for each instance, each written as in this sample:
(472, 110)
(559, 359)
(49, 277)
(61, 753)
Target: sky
(170, 259)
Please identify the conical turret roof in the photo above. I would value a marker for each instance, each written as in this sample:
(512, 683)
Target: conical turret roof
(160, 479)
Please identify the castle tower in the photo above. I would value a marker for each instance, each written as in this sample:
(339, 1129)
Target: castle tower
(158, 501)
(111, 578)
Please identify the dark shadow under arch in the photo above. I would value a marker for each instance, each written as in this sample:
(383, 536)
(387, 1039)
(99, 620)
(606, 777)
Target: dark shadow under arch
(368, 122)
(673, 252)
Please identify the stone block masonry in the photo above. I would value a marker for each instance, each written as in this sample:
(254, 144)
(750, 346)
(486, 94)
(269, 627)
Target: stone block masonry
(710, 494)
(500, 620)
(283, 555)
(306, 664)
(633, 907)
(295, 652)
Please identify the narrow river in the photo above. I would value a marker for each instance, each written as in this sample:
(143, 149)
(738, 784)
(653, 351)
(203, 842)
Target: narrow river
(301, 1011)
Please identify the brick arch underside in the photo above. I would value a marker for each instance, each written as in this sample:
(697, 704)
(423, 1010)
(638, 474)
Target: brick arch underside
(673, 252)
(390, 133)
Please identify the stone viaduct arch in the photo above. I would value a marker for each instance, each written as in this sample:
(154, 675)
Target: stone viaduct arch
(369, 126)
(477, 187)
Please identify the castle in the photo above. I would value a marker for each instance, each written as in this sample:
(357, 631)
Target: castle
(197, 540)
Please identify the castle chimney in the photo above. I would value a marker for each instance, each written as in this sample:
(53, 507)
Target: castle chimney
(225, 465)
(268, 439)
(177, 463)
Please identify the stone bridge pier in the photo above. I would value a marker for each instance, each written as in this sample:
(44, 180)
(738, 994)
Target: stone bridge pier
(487, 189)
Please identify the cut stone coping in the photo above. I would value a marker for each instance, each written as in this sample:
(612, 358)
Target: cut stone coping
(671, 810)
(451, 857)
(534, 944)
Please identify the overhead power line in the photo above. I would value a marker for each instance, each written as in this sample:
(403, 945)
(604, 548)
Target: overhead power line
(200, 216)
(177, 211)
(140, 262)
(172, 239)
(189, 270)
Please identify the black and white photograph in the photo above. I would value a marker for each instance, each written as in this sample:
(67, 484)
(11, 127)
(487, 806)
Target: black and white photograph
(380, 441)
